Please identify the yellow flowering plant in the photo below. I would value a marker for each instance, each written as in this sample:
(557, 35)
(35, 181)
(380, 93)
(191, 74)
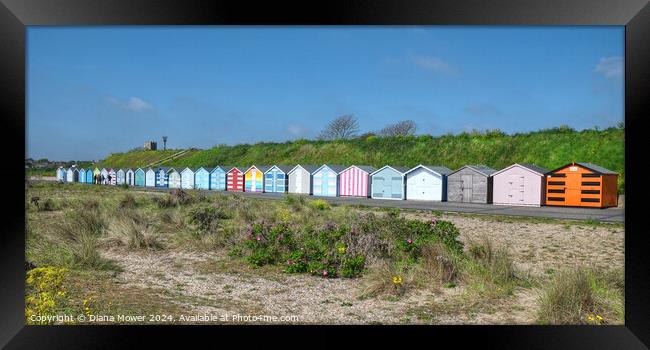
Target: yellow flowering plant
(45, 292)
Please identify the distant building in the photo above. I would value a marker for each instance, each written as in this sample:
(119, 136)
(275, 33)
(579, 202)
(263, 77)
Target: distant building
(150, 146)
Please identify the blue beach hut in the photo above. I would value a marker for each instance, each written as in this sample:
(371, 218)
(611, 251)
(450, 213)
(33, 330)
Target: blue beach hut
(202, 178)
(218, 178)
(139, 177)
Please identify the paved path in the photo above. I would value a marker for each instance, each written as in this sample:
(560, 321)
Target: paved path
(609, 214)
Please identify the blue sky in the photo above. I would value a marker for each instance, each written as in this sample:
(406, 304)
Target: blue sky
(99, 90)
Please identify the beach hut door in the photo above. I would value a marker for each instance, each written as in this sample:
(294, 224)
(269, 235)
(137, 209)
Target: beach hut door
(298, 177)
(466, 187)
(516, 188)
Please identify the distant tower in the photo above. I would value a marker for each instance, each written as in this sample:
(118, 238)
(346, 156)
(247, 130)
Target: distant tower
(164, 142)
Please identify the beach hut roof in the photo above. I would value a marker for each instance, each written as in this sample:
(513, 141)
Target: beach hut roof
(399, 169)
(262, 168)
(242, 169)
(336, 168)
(482, 169)
(310, 168)
(534, 168)
(366, 168)
(597, 168)
(438, 169)
(284, 168)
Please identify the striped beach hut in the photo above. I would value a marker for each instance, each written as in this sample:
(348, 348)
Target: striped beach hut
(187, 178)
(388, 183)
(235, 179)
(218, 178)
(82, 175)
(582, 185)
(139, 177)
(325, 180)
(150, 177)
(254, 178)
(300, 178)
(130, 177)
(276, 178)
(174, 178)
(60, 174)
(121, 176)
(202, 178)
(104, 174)
(162, 176)
(96, 174)
(355, 181)
(427, 183)
(112, 177)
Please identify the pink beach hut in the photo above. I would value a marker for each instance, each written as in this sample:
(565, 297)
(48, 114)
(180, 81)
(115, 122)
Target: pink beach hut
(519, 185)
(355, 181)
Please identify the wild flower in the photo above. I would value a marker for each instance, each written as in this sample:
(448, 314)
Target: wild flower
(409, 241)
(397, 280)
(325, 273)
(434, 221)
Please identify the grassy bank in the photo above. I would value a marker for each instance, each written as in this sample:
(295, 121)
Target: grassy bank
(548, 148)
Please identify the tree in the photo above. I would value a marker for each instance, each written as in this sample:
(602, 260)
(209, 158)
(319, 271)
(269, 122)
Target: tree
(343, 127)
(402, 128)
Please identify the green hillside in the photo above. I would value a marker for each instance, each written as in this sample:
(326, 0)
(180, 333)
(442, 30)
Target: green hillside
(547, 148)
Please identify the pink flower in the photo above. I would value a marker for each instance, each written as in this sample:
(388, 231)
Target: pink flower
(290, 261)
(324, 273)
(409, 241)
(434, 221)
(259, 238)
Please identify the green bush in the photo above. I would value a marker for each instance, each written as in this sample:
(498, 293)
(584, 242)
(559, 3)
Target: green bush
(206, 217)
(320, 204)
(353, 266)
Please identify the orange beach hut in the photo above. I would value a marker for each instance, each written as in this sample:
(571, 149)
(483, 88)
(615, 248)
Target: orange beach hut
(582, 185)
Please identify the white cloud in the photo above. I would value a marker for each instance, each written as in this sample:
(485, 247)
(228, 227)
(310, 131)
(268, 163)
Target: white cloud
(135, 104)
(433, 64)
(610, 67)
(297, 130)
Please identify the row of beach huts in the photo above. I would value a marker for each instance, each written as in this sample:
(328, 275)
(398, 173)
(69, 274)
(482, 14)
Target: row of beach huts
(575, 184)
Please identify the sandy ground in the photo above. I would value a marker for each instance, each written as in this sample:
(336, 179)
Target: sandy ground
(204, 283)
(540, 246)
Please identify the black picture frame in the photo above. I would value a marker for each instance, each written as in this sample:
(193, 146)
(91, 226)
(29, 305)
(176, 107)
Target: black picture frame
(15, 15)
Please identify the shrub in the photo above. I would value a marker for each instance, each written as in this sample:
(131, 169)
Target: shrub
(78, 235)
(497, 261)
(163, 202)
(46, 205)
(206, 217)
(124, 186)
(45, 292)
(384, 279)
(133, 232)
(353, 266)
(567, 299)
(296, 262)
(127, 202)
(296, 202)
(320, 204)
(439, 263)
